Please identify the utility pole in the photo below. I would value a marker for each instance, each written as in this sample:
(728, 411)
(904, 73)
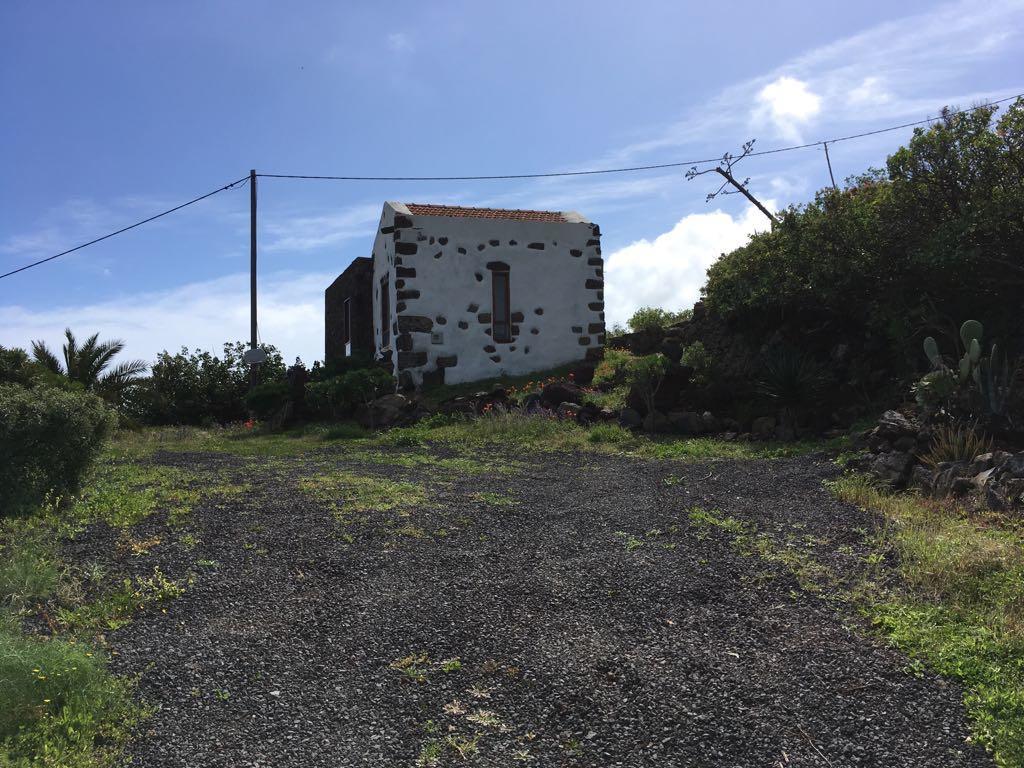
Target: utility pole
(829, 161)
(252, 277)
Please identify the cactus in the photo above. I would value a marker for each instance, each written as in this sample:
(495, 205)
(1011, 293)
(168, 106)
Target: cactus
(970, 331)
(931, 351)
(974, 350)
(990, 376)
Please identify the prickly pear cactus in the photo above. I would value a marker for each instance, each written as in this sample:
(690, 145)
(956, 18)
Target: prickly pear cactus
(931, 351)
(971, 330)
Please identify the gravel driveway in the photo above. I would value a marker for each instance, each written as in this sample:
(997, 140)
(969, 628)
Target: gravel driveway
(558, 610)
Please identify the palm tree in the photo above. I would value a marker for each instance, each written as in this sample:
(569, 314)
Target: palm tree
(87, 364)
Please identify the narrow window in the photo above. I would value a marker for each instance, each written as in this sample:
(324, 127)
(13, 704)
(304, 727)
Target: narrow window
(385, 311)
(501, 322)
(346, 335)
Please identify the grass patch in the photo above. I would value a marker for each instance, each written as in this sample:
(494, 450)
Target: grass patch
(351, 492)
(60, 706)
(702, 518)
(960, 606)
(115, 609)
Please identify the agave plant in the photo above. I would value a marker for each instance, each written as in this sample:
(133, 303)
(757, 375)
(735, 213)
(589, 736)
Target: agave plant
(88, 363)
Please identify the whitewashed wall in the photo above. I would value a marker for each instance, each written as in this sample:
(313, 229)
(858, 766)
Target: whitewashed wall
(441, 293)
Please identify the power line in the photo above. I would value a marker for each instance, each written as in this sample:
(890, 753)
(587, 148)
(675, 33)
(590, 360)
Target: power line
(679, 164)
(509, 176)
(125, 229)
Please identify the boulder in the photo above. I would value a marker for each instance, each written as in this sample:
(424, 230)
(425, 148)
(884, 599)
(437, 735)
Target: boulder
(711, 424)
(951, 477)
(558, 392)
(583, 374)
(686, 422)
(982, 462)
(893, 469)
(630, 419)
(893, 425)
(655, 421)
(920, 478)
(763, 427)
(386, 411)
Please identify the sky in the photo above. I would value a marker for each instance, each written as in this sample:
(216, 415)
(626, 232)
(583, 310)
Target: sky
(114, 111)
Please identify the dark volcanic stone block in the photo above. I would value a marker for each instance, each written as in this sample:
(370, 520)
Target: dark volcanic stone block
(415, 323)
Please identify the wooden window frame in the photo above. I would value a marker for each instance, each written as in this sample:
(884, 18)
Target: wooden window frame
(506, 321)
(385, 311)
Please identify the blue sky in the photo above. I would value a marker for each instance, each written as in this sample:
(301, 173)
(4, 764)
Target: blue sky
(116, 110)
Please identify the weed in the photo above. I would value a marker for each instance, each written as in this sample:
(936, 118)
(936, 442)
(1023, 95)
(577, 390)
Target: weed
(464, 746)
(485, 717)
(451, 665)
(413, 667)
(702, 518)
(115, 609)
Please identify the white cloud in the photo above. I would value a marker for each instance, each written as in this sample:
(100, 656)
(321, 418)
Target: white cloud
(669, 271)
(203, 314)
(870, 92)
(788, 104)
(304, 233)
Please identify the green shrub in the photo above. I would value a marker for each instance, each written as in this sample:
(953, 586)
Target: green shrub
(339, 396)
(267, 399)
(697, 357)
(60, 706)
(48, 438)
(611, 371)
(888, 258)
(654, 318)
(198, 388)
(644, 376)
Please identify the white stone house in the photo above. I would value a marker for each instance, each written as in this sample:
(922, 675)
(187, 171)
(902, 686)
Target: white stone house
(462, 294)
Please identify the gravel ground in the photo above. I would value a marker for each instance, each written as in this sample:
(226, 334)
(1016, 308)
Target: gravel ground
(593, 627)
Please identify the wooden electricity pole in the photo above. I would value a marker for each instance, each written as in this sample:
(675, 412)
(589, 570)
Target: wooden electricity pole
(252, 274)
(724, 169)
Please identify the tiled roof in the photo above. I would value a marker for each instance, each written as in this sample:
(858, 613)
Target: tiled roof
(427, 209)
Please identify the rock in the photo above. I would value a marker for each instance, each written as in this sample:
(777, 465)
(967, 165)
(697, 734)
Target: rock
(946, 477)
(588, 414)
(1004, 495)
(763, 427)
(583, 374)
(630, 419)
(904, 444)
(607, 414)
(556, 393)
(785, 432)
(385, 411)
(893, 425)
(893, 468)
(920, 478)
(981, 478)
(982, 462)
(655, 421)
(568, 410)
(711, 424)
(686, 422)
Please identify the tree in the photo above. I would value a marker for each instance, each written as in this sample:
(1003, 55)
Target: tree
(88, 364)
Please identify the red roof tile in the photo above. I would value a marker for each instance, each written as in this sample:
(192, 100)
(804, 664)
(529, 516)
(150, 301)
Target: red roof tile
(427, 209)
